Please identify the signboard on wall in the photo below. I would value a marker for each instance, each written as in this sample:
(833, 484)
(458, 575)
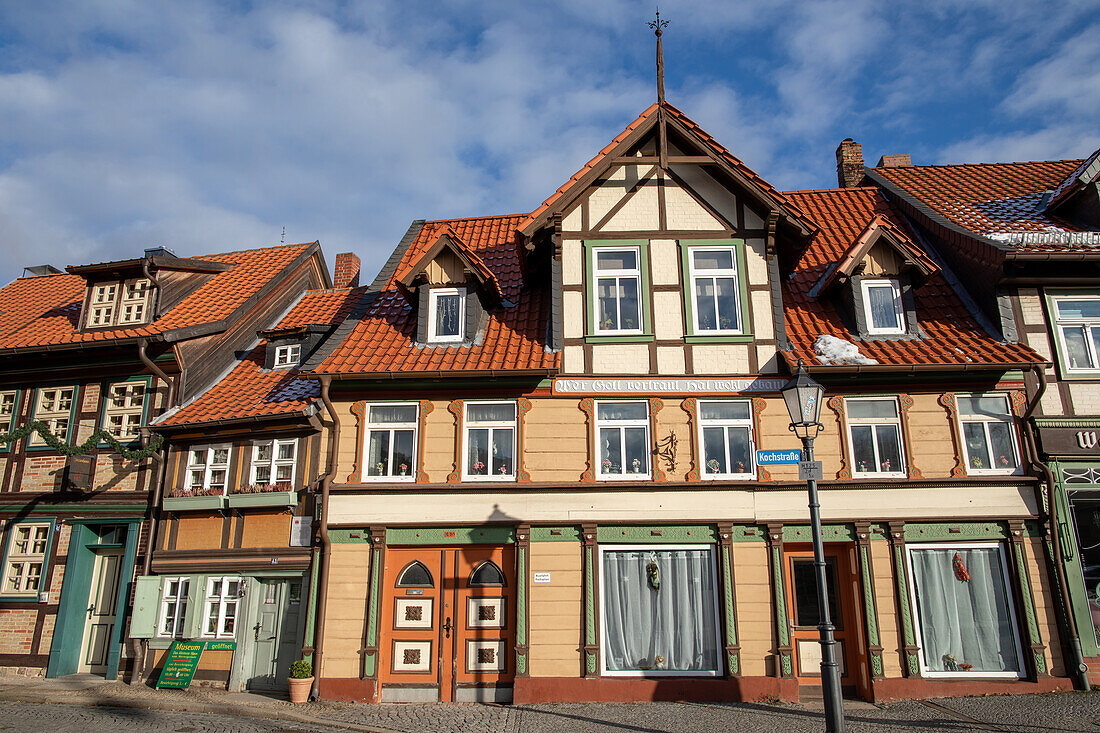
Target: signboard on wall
(180, 664)
(1070, 441)
(301, 531)
(777, 457)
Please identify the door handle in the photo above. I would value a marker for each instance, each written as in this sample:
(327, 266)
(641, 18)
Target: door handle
(256, 631)
(447, 627)
(91, 609)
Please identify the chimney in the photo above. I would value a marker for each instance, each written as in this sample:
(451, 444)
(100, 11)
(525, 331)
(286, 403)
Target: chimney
(849, 163)
(897, 160)
(38, 270)
(346, 271)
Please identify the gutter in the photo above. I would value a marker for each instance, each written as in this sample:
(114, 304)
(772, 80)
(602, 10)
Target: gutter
(325, 550)
(1055, 541)
(436, 374)
(907, 368)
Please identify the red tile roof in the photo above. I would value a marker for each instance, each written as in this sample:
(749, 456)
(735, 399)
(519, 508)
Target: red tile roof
(952, 335)
(45, 310)
(382, 341)
(476, 264)
(321, 308)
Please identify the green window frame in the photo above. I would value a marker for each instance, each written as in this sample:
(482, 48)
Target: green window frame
(10, 528)
(104, 396)
(1051, 297)
(592, 334)
(17, 400)
(691, 333)
(70, 433)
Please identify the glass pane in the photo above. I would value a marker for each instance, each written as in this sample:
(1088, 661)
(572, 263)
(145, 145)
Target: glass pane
(393, 413)
(628, 303)
(622, 411)
(1086, 524)
(487, 573)
(713, 259)
(220, 457)
(637, 453)
(447, 314)
(740, 450)
(889, 448)
(263, 474)
(478, 454)
(860, 409)
(883, 307)
(714, 451)
(728, 313)
(976, 448)
(283, 473)
(863, 449)
(198, 458)
(497, 412)
(1076, 350)
(502, 452)
(706, 313)
(608, 306)
(611, 457)
(378, 453)
(286, 451)
(402, 452)
(963, 608)
(807, 611)
(416, 574)
(1002, 445)
(724, 410)
(1078, 308)
(263, 452)
(992, 406)
(617, 260)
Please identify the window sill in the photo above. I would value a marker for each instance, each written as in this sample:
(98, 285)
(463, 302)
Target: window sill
(860, 475)
(991, 472)
(627, 477)
(728, 477)
(488, 479)
(20, 599)
(263, 498)
(733, 338)
(625, 338)
(659, 673)
(193, 503)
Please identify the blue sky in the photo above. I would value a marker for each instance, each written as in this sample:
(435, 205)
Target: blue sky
(208, 126)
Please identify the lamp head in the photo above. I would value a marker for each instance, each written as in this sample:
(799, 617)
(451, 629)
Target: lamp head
(803, 397)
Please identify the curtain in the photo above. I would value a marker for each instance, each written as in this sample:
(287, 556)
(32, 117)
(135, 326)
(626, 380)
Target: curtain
(964, 622)
(676, 621)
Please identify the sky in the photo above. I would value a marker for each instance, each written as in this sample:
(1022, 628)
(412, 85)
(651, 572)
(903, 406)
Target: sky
(207, 127)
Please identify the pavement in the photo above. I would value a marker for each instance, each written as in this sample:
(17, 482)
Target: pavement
(81, 703)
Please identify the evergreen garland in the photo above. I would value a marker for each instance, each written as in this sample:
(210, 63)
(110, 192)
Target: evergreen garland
(93, 441)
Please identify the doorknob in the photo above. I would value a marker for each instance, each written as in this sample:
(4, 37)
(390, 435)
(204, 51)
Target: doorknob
(447, 627)
(91, 609)
(256, 631)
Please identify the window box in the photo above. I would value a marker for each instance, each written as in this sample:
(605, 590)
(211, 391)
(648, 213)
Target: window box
(264, 498)
(193, 503)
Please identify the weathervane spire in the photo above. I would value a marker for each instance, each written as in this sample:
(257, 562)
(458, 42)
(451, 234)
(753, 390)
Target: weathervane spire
(658, 26)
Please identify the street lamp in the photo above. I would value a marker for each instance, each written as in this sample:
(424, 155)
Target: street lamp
(803, 397)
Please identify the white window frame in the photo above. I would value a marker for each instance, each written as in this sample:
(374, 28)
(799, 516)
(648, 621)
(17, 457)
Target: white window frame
(597, 453)
(178, 615)
(208, 466)
(865, 286)
(433, 298)
(696, 273)
(1009, 596)
(369, 427)
(26, 560)
(491, 426)
(865, 421)
(1087, 324)
(274, 462)
(133, 301)
(222, 601)
(704, 470)
(717, 614)
(9, 405)
(618, 274)
(102, 305)
(55, 414)
(128, 428)
(287, 356)
(119, 303)
(985, 420)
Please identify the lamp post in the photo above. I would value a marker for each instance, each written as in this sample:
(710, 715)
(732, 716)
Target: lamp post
(803, 397)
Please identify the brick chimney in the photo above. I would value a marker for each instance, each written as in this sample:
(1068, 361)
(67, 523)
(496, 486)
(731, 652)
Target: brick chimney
(849, 163)
(346, 271)
(897, 160)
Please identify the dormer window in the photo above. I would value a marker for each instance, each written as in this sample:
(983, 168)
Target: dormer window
(883, 306)
(446, 314)
(118, 303)
(287, 356)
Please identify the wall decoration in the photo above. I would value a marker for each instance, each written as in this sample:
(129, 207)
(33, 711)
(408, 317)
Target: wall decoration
(484, 656)
(412, 656)
(413, 613)
(485, 613)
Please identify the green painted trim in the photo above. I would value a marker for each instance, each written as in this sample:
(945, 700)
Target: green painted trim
(1034, 637)
(521, 607)
(748, 533)
(1063, 422)
(703, 337)
(146, 404)
(344, 536)
(69, 627)
(733, 661)
(370, 661)
(311, 610)
(45, 508)
(589, 608)
(909, 634)
(265, 498)
(632, 339)
(545, 384)
(569, 533)
(643, 534)
(945, 532)
(829, 533)
(44, 578)
(455, 536)
(643, 292)
(1075, 578)
(779, 599)
(30, 448)
(870, 609)
(5, 447)
(192, 503)
(122, 600)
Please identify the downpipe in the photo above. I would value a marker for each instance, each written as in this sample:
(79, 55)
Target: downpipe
(326, 543)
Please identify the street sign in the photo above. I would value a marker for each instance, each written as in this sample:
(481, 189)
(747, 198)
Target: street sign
(180, 664)
(809, 470)
(777, 457)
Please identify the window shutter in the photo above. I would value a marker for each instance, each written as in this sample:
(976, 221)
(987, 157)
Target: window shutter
(196, 607)
(143, 616)
(473, 315)
(422, 315)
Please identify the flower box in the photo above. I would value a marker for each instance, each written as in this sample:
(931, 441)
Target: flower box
(193, 503)
(264, 498)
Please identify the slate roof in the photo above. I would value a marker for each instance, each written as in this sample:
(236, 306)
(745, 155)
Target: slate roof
(952, 335)
(44, 311)
(381, 341)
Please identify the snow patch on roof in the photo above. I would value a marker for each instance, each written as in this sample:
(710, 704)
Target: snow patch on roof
(833, 350)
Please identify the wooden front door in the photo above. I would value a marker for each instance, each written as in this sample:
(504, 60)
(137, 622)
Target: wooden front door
(99, 621)
(802, 611)
(276, 633)
(448, 622)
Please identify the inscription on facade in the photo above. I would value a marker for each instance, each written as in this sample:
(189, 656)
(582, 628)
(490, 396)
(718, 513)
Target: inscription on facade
(665, 386)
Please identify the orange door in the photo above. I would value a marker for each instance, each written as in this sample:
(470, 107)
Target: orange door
(448, 620)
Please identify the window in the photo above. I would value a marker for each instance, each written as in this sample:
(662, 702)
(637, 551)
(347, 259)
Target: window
(659, 610)
(725, 440)
(273, 461)
(446, 314)
(874, 437)
(713, 273)
(964, 617)
(125, 409)
(55, 408)
(173, 607)
(391, 441)
(26, 558)
(882, 306)
(989, 440)
(1084, 507)
(622, 437)
(119, 303)
(287, 356)
(1077, 322)
(7, 409)
(415, 575)
(208, 470)
(490, 429)
(222, 597)
(616, 288)
(487, 573)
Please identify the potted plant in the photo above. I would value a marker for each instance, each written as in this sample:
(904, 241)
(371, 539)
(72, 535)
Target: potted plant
(301, 680)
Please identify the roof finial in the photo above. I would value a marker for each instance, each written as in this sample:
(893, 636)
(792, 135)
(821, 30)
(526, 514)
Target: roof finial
(283, 240)
(658, 26)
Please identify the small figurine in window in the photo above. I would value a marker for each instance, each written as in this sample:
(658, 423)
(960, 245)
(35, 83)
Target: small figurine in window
(653, 576)
(636, 465)
(712, 465)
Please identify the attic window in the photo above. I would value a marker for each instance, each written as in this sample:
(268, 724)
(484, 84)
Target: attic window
(118, 303)
(883, 306)
(287, 356)
(446, 314)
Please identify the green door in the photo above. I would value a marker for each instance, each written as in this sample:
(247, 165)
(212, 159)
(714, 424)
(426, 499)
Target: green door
(276, 635)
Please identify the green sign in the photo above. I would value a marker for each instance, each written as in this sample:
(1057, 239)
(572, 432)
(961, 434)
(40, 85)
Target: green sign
(221, 646)
(180, 664)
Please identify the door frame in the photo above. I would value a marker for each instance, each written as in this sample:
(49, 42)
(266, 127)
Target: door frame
(241, 666)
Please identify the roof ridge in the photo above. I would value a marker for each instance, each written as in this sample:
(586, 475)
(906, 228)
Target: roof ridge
(978, 165)
(474, 218)
(254, 249)
(846, 189)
